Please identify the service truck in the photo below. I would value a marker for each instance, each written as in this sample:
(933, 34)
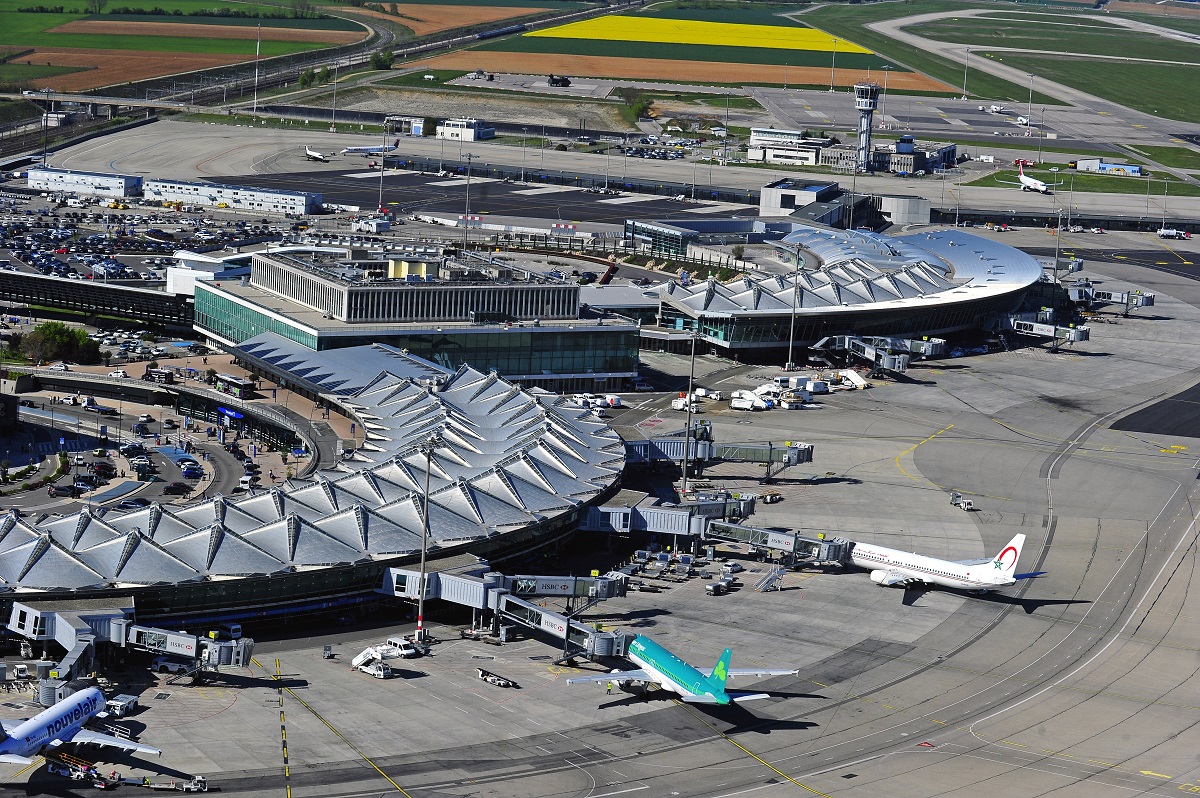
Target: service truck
(1170, 232)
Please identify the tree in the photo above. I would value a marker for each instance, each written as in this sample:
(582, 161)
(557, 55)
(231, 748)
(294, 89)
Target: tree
(738, 250)
(382, 59)
(307, 78)
(95, 6)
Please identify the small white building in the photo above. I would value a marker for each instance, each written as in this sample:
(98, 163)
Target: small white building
(466, 129)
(244, 198)
(68, 181)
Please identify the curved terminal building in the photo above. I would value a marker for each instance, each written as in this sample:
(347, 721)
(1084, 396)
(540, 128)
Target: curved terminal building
(849, 283)
(508, 469)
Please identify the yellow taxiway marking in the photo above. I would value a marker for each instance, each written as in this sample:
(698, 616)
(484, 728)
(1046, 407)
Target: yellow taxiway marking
(337, 733)
(913, 448)
(1154, 775)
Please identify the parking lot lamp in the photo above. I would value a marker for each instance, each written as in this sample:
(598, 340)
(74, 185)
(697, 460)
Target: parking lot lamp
(467, 206)
(966, 58)
(524, 133)
(428, 449)
(833, 66)
(791, 364)
(687, 438)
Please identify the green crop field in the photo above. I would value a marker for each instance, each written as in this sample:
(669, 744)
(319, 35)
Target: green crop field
(23, 74)
(1067, 37)
(849, 21)
(332, 23)
(736, 13)
(685, 52)
(1090, 183)
(1177, 157)
(1153, 88)
(565, 5)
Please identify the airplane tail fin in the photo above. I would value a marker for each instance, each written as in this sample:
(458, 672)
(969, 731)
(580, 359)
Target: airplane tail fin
(1006, 560)
(721, 672)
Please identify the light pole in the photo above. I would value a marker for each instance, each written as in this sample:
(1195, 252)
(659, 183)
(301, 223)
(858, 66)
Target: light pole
(442, 154)
(333, 116)
(467, 206)
(883, 103)
(1029, 107)
(791, 365)
(1042, 134)
(45, 125)
(1164, 222)
(382, 167)
(966, 58)
(428, 448)
(687, 440)
(524, 133)
(833, 66)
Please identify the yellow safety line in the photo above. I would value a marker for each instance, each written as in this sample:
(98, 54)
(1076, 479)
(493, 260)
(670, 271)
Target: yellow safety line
(913, 447)
(747, 751)
(337, 733)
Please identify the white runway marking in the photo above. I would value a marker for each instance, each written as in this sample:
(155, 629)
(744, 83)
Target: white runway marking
(626, 200)
(458, 181)
(546, 190)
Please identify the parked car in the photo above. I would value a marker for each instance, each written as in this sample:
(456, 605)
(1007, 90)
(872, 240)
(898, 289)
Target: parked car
(146, 418)
(177, 489)
(70, 491)
(170, 423)
(60, 367)
(168, 665)
(99, 452)
(133, 504)
(118, 373)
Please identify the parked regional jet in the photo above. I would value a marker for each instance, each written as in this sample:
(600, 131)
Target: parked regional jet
(893, 568)
(1028, 183)
(58, 725)
(374, 150)
(313, 155)
(695, 685)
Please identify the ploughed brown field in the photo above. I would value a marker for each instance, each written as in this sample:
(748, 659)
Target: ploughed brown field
(665, 69)
(425, 19)
(197, 31)
(109, 67)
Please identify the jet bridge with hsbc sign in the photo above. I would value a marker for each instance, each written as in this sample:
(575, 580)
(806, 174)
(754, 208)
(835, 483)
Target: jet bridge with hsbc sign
(670, 447)
(499, 596)
(798, 547)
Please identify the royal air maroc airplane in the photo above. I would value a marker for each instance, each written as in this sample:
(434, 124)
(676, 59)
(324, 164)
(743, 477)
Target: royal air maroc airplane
(59, 725)
(894, 568)
(1028, 183)
(657, 665)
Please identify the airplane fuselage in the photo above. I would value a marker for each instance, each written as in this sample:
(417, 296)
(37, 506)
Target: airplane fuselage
(915, 568)
(670, 672)
(59, 722)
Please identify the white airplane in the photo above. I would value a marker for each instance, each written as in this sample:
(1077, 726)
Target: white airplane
(693, 685)
(372, 150)
(1028, 183)
(894, 568)
(313, 155)
(59, 725)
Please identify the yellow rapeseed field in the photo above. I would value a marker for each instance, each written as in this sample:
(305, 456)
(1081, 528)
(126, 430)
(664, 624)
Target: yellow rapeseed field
(684, 31)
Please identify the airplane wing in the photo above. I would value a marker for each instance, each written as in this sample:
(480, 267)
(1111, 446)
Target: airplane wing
(89, 737)
(732, 672)
(619, 676)
(971, 563)
(14, 759)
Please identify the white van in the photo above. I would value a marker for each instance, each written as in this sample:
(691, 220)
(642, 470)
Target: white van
(405, 649)
(248, 481)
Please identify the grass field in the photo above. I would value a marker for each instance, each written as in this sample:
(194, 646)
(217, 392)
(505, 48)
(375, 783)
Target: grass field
(849, 21)
(739, 13)
(333, 23)
(1177, 157)
(1153, 88)
(22, 74)
(1090, 183)
(1067, 36)
(418, 78)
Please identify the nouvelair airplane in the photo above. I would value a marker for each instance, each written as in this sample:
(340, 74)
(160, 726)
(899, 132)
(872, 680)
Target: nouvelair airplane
(60, 724)
(894, 568)
(658, 666)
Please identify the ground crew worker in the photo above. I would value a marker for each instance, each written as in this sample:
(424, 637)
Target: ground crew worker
(610, 686)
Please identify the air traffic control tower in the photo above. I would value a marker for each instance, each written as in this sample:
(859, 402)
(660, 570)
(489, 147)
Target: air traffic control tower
(866, 100)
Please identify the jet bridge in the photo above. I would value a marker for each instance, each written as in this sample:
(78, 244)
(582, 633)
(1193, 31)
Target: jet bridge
(1042, 325)
(702, 451)
(578, 639)
(800, 547)
(1085, 293)
(881, 353)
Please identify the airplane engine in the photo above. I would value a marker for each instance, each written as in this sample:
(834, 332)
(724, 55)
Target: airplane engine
(878, 577)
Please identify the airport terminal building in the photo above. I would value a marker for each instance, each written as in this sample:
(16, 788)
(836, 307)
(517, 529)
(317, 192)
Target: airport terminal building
(523, 327)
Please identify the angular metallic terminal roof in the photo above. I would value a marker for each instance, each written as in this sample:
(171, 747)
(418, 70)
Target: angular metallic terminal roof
(863, 270)
(506, 458)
